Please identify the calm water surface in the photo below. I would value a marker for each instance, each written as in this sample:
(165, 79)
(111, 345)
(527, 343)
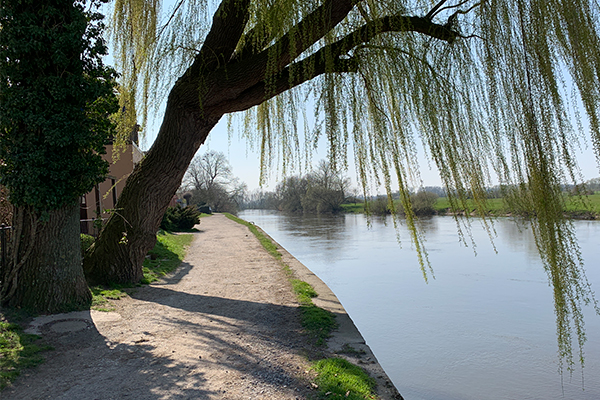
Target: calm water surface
(484, 328)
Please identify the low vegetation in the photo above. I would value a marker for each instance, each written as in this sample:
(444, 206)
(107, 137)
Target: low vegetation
(265, 241)
(164, 258)
(576, 207)
(340, 379)
(180, 219)
(336, 377)
(18, 350)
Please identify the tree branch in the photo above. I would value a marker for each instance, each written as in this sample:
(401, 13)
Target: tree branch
(250, 89)
(227, 28)
(307, 32)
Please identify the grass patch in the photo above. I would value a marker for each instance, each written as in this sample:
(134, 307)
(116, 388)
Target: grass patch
(166, 255)
(18, 351)
(340, 379)
(353, 208)
(304, 291)
(265, 241)
(317, 322)
(101, 297)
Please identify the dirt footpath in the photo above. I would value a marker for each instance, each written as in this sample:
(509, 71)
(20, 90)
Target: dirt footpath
(224, 326)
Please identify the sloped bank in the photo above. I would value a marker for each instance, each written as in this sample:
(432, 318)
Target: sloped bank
(345, 341)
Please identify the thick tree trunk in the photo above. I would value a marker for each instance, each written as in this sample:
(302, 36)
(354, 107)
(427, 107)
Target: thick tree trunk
(118, 253)
(44, 272)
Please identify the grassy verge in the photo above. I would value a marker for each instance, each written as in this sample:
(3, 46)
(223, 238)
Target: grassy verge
(340, 379)
(164, 258)
(265, 241)
(336, 377)
(18, 351)
(166, 255)
(574, 206)
(353, 208)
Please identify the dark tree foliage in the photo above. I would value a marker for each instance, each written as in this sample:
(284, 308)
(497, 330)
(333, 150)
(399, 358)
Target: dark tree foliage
(56, 99)
(180, 218)
(55, 96)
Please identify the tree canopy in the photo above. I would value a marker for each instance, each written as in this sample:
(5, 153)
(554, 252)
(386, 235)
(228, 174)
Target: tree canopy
(55, 96)
(491, 89)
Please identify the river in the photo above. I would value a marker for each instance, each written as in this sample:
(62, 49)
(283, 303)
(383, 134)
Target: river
(484, 328)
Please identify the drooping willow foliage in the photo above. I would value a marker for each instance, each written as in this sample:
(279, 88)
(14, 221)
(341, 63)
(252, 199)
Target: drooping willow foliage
(492, 92)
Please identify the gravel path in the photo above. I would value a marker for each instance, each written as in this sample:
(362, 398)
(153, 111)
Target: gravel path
(224, 326)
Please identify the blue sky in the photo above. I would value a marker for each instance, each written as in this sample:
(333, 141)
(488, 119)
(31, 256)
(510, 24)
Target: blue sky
(246, 163)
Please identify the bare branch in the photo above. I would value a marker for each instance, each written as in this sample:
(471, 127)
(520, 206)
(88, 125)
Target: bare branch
(434, 10)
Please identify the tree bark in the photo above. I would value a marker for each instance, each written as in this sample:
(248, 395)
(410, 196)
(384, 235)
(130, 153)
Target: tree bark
(44, 274)
(220, 82)
(118, 253)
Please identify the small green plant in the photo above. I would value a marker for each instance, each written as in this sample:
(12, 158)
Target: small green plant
(178, 219)
(18, 351)
(86, 242)
(304, 291)
(338, 378)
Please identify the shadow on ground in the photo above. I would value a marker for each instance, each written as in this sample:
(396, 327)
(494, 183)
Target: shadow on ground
(241, 337)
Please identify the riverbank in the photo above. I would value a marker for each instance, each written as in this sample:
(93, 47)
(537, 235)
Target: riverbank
(585, 208)
(225, 325)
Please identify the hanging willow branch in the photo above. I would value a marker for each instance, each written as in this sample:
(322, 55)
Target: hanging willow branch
(478, 84)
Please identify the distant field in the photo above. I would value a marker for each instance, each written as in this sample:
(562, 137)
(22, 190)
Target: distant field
(574, 205)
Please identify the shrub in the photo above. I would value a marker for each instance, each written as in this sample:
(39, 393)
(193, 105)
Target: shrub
(180, 218)
(423, 203)
(86, 242)
(379, 206)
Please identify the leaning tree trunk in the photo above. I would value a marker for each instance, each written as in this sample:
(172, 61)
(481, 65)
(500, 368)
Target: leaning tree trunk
(130, 232)
(44, 272)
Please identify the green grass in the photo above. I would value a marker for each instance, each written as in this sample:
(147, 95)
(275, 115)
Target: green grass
(264, 241)
(340, 379)
(353, 208)
(101, 297)
(18, 351)
(165, 257)
(304, 291)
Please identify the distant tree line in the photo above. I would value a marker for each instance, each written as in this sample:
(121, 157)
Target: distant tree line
(323, 190)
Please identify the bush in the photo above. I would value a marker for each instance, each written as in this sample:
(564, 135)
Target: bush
(86, 242)
(423, 203)
(379, 206)
(180, 218)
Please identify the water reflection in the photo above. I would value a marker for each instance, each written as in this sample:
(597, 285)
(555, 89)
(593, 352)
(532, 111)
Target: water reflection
(483, 329)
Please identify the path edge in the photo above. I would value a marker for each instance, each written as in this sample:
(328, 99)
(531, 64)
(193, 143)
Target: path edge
(347, 334)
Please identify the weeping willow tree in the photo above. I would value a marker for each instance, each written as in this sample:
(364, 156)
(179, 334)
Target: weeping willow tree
(491, 89)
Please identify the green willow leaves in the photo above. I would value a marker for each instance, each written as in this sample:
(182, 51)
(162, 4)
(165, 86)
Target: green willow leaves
(495, 91)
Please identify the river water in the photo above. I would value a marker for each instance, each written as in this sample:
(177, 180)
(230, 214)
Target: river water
(484, 328)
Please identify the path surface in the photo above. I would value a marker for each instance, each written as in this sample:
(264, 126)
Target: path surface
(224, 326)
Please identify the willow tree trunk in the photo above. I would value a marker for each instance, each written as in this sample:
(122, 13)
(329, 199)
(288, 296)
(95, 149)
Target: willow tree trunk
(118, 253)
(44, 273)
(224, 78)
